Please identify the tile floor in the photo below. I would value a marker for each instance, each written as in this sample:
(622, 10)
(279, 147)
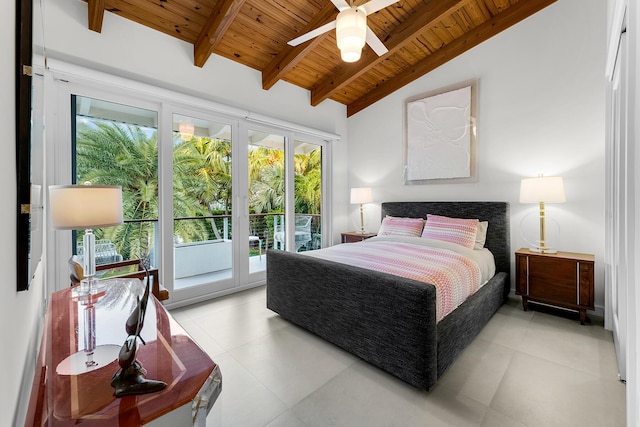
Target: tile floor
(530, 368)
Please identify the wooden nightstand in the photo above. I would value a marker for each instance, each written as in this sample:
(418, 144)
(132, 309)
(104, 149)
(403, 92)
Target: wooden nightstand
(563, 279)
(354, 236)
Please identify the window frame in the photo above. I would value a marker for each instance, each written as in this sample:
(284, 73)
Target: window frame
(66, 80)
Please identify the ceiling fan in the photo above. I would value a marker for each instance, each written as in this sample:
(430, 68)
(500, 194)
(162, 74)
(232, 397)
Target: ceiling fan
(351, 29)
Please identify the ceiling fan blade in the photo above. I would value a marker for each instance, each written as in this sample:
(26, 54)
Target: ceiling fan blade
(376, 5)
(375, 43)
(341, 4)
(313, 33)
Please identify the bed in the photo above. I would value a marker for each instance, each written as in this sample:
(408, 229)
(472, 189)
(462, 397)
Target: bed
(388, 320)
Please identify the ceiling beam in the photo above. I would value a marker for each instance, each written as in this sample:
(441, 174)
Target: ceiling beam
(217, 25)
(472, 38)
(427, 16)
(96, 15)
(290, 56)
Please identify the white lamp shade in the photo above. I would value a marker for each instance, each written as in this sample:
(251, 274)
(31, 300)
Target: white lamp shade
(76, 207)
(361, 195)
(351, 33)
(548, 189)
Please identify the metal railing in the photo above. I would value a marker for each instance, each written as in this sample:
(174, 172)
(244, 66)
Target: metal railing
(144, 242)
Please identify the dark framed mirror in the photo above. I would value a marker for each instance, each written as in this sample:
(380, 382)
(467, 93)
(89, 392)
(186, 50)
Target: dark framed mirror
(23, 79)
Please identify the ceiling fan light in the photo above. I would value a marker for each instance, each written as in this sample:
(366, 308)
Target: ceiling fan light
(350, 53)
(351, 33)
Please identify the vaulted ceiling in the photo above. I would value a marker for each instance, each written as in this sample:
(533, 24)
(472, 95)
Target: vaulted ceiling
(420, 35)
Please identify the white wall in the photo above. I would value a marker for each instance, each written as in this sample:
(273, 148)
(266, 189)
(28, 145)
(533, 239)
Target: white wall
(633, 392)
(541, 108)
(21, 312)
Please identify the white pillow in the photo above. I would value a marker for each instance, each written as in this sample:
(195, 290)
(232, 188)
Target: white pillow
(481, 235)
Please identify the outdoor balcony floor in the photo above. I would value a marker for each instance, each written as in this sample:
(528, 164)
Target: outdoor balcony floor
(256, 264)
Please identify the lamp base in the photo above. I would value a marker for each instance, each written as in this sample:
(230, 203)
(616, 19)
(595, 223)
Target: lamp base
(544, 250)
(77, 363)
(88, 288)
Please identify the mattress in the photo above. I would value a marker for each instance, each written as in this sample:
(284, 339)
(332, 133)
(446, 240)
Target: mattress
(455, 271)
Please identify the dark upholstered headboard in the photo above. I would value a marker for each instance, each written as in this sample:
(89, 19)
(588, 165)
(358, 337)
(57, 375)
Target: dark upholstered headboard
(497, 213)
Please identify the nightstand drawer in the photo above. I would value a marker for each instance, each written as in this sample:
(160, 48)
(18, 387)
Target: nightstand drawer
(553, 269)
(552, 291)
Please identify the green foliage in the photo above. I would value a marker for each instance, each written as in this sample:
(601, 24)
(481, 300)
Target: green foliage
(116, 154)
(111, 153)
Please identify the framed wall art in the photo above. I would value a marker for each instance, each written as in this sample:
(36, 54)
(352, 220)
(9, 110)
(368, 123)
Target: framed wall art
(441, 136)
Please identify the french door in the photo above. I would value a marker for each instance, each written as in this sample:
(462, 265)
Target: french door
(202, 188)
(205, 195)
(285, 193)
(117, 144)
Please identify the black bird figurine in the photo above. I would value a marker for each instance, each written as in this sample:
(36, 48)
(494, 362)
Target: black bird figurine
(130, 378)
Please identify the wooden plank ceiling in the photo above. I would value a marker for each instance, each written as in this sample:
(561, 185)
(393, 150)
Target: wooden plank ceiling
(419, 34)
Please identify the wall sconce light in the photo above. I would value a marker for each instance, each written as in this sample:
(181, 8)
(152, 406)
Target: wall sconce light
(186, 130)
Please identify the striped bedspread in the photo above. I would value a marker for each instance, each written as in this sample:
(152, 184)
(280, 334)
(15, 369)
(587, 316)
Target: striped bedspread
(454, 275)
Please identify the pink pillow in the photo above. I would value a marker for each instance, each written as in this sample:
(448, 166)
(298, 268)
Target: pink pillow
(394, 226)
(455, 230)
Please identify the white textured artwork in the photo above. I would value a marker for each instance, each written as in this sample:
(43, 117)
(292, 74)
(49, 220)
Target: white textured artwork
(439, 136)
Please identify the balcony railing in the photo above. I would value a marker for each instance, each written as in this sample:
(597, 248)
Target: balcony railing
(199, 234)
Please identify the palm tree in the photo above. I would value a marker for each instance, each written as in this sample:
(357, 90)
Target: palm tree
(109, 153)
(308, 189)
(266, 178)
(267, 183)
(308, 182)
(202, 171)
(116, 154)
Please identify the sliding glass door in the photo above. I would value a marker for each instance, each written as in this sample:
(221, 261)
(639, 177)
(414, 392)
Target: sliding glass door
(266, 195)
(308, 195)
(284, 203)
(202, 203)
(117, 144)
(205, 195)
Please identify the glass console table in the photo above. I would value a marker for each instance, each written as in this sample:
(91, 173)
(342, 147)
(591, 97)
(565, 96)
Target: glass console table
(79, 354)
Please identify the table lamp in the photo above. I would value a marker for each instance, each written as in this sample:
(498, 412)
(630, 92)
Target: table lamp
(361, 195)
(541, 190)
(77, 207)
